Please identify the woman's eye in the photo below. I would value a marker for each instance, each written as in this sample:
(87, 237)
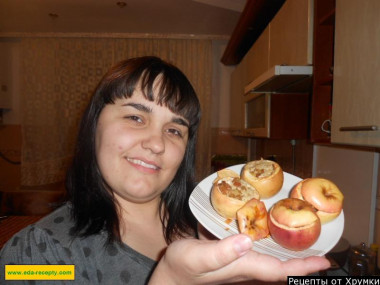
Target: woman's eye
(175, 132)
(134, 118)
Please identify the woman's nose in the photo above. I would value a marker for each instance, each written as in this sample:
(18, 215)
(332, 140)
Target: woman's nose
(154, 142)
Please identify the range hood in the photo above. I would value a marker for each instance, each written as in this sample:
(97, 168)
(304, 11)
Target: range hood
(282, 79)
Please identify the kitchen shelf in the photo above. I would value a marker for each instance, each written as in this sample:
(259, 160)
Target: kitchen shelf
(279, 78)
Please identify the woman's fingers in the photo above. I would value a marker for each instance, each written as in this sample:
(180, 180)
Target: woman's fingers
(305, 266)
(227, 250)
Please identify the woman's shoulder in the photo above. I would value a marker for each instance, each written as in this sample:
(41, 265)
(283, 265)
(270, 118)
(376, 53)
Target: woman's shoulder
(58, 223)
(49, 242)
(51, 229)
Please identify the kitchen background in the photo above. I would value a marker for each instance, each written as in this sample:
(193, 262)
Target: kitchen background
(47, 73)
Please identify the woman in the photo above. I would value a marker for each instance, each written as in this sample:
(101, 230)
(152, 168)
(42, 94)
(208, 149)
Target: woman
(128, 220)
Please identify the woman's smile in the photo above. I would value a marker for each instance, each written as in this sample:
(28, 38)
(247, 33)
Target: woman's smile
(144, 166)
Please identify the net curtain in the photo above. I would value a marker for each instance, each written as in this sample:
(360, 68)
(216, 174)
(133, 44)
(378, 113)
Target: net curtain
(58, 77)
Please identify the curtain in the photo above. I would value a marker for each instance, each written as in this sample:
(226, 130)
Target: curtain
(57, 80)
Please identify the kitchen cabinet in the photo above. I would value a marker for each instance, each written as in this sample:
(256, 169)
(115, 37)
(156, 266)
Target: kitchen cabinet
(356, 103)
(291, 34)
(323, 58)
(253, 64)
(253, 20)
(287, 40)
(276, 115)
(236, 98)
(257, 58)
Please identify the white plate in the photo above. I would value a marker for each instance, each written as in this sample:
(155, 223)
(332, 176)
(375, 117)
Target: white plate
(202, 209)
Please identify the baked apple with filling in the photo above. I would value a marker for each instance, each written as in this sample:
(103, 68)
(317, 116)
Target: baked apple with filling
(265, 175)
(229, 194)
(323, 194)
(294, 224)
(253, 219)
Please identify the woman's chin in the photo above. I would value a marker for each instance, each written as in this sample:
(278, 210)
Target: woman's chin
(138, 195)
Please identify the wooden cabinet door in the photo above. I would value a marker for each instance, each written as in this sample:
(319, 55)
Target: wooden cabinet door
(236, 98)
(254, 63)
(257, 58)
(356, 99)
(291, 34)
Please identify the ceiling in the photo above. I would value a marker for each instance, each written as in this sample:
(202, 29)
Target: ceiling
(178, 17)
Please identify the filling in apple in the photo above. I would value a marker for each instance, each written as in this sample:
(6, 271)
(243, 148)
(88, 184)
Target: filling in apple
(236, 188)
(261, 169)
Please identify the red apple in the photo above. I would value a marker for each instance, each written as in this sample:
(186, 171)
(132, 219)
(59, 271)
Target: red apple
(323, 194)
(294, 224)
(253, 219)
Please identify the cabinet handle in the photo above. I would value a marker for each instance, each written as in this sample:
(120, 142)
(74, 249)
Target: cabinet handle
(359, 128)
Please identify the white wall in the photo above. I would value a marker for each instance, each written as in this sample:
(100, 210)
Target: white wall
(356, 174)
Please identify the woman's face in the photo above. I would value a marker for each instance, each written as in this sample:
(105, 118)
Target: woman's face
(139, 147)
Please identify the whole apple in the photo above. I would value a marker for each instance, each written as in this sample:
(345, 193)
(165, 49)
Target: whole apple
(323, 194)
(294, 224)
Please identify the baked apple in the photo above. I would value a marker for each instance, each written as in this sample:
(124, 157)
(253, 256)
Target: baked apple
(229, 194)
(294, 224)
(265, 175)
(323, 194)
(253, 219)
(225, 173)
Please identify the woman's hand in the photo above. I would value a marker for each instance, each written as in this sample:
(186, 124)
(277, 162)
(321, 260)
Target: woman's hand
(192, 261)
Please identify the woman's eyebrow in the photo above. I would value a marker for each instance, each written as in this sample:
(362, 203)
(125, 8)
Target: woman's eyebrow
(139, 107)
(143, 108)
(180, 121)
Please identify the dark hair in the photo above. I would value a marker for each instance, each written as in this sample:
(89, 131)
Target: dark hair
(93, 206)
